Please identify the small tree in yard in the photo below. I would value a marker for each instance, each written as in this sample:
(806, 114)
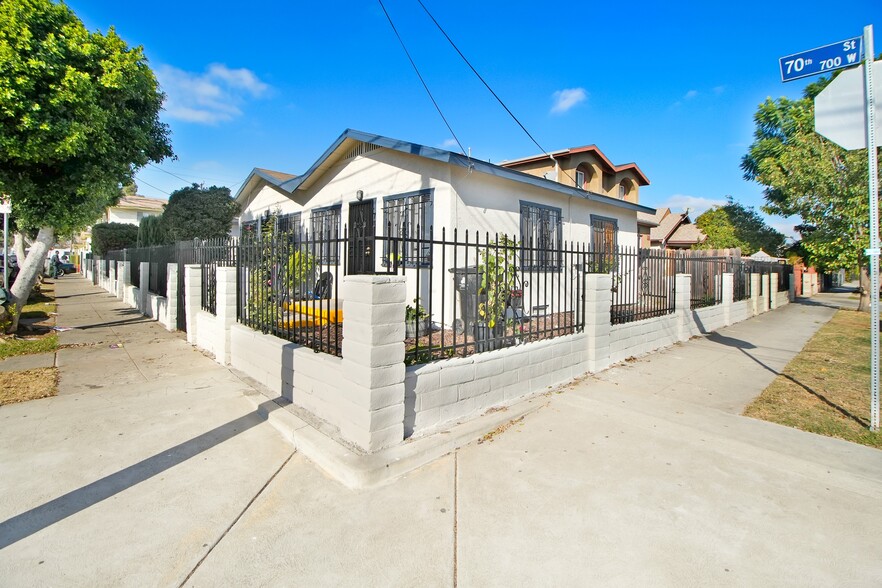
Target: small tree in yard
(79, 114)
(196, 212)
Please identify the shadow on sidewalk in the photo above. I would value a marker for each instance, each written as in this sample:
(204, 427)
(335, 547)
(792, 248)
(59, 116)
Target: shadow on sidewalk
(43, 516)
(743, 345)
(131, 321)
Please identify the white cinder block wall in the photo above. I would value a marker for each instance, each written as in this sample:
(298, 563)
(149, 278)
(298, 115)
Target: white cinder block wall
(374, 401)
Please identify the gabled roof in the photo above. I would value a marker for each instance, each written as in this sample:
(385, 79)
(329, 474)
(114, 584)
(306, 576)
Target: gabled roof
(274, 176)
(140, 203)
(687, 234)
(351, 138)
(667, 224)
(642, 180)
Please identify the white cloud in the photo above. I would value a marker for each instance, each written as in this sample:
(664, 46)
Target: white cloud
(564, 100)
(690, 95)
(695, 204)
(719, 90)
(210, 97)
(450, 144)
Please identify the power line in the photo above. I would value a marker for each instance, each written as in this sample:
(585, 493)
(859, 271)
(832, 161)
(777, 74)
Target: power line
(167, 172)
(486, 85)
(154, 187)
(199, 177)
(432, 98)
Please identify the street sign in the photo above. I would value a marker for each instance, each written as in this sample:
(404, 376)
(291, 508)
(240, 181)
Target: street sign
(821, 59)
(841, 109)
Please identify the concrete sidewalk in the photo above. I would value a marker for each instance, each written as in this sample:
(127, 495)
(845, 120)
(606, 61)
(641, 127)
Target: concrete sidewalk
(644, 474)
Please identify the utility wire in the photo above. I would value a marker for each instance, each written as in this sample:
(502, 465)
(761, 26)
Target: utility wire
(154, 187)
(190, 175)
(419, 75)
(483, 81)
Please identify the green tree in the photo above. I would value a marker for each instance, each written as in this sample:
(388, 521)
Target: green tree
(196, 212)
(735, 225)
(804, 174)
(79, 114)
(151, 231)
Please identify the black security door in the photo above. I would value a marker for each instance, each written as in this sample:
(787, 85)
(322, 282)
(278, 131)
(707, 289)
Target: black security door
(362, 233)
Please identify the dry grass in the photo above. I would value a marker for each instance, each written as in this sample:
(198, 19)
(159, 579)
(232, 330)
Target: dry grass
(826, 388)
(28, 385)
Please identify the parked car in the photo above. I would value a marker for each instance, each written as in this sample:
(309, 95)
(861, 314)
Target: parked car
(13, 269)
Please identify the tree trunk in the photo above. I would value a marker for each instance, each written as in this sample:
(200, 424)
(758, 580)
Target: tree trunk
(864, 303)
(28, 273)
(18, 246)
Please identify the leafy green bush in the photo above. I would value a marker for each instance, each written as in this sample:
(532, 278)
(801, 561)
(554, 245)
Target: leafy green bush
(111, 236)
(151, 232)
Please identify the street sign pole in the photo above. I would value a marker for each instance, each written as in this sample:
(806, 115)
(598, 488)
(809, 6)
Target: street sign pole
(874, 228)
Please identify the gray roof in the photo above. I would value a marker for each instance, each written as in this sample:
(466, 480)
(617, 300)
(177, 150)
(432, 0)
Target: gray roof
(447, 157)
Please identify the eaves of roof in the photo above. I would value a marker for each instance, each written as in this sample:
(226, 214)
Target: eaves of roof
(443, 156)
(641, 177)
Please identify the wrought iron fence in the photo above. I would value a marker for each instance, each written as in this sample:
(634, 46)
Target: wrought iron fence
(706, 277)
(643, 284)
(288, 286)
(211, 254)
(740, 280)
(473, 293)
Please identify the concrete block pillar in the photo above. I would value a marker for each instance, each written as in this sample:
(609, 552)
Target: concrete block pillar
(225, 310)
(373, 359)
(192, 297)
(683, 305)
(806, 284)
(144, 289)
(816, 284)
(171, 294)
(728, 296)
(125, 281)
(773, 291)
(754, 293)
(598, 303)
(767, 293)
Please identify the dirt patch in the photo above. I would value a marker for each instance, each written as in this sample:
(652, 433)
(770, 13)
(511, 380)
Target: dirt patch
(28, 385)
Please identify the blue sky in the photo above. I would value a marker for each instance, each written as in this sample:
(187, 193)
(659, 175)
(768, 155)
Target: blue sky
(671, 87)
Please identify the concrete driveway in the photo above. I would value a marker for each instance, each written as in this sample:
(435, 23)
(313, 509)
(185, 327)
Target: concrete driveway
(642, 475)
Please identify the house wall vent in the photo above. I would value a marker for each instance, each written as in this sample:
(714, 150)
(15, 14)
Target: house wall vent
(360, 148)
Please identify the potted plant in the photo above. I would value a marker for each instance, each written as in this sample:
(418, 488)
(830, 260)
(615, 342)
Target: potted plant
(417, 322)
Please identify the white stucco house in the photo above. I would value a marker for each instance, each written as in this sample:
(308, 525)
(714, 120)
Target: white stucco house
(131, 209)
(434, 187)
(367, 179)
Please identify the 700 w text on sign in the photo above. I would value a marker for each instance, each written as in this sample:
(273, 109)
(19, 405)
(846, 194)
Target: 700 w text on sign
(821, 59)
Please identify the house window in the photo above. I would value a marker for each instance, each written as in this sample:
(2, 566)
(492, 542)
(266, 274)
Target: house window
(604, 239)
(326, 234)
(580, 180)
(621, 192)
(408, 217)
(249, 228)
(541, 237)
(289, 224)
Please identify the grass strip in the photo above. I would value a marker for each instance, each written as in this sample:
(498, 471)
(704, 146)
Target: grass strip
(825, 389)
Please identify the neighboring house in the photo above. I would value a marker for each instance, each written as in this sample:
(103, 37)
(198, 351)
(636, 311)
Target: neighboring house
(763, 256)
(376, 182)
(671, 230)
(585, 168)
(131, 209)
